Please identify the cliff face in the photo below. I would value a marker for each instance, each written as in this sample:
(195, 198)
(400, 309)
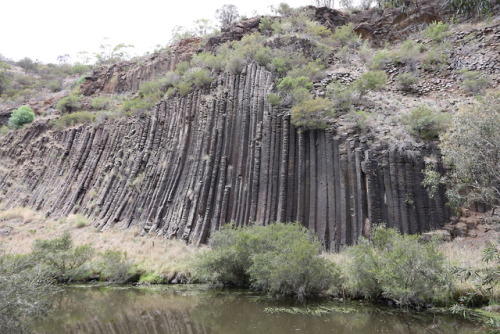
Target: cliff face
(219, 155)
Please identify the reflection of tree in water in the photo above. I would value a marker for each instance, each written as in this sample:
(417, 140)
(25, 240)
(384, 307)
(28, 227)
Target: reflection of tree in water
(187, 310)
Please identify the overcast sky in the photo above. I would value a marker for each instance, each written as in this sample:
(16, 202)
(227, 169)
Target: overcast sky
(45, 29)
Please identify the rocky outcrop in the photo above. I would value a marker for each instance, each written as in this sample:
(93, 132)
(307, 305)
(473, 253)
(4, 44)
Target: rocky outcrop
(220, 155)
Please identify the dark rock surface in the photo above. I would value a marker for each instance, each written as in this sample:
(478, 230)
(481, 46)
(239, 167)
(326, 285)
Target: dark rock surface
(219, 155)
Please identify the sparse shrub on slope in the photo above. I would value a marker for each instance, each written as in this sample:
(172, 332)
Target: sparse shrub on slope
(21, 116)
(69, 103)
(280, 259)
(397, 267)
(471, 151)
(312, 113)
(427, 123)
(370, 81)
(78, 117)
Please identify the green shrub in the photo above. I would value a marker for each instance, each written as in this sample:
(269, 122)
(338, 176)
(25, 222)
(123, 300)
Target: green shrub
(21, 116)
(235, 64)
(340, 95)
(263, 56)
(437, 31)
(4, 130)
(426, 123)
(206, 59)
(436, 57)
(54, 85)
(370, 81)
(312, 70)
(397, 267)
(380, 60)
(312, 114)
(288, 84)
(280, 259)
(474, 82)
(273, 99)
(266, 25)
(115, 267)
(406, 81)
(184, 88)
(407, 54)
(78, 117)
(182, 67)
(346, 36)
(64, 262)
(471, 153)
(69, 103)
(100, 103)
(471, 7)
(200, 77)
(27, 293)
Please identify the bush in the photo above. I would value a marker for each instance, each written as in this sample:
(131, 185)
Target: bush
(79, 117)
(340, 95)
(436, 31)
(397, 267)
(471, 151)
(371, 80)
(69, 103)
(426, 123)
(200, 77)
(280, 259)
(471, 7)
(235, 64)
(27, 293)
(273, 99)
(100, 103)
(437, 56)
(63, 261)
(115, 267)
(474, 82)
(20, 116)
(406, 81)
(346, 36)
(312, 114)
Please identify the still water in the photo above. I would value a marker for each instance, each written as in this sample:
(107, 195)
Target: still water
(198, 310)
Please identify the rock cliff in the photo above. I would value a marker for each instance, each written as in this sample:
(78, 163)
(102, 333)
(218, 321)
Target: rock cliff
(218, 155)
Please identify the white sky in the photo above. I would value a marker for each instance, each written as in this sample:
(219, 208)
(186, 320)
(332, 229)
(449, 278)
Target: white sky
(45, 29)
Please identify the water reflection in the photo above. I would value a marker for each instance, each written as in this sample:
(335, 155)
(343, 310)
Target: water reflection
(194, 310)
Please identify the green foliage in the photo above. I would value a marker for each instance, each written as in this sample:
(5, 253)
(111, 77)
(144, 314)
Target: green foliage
(4, 130)
(472, 7)
(437, 31)
(109, 54)
(288, 84)
(184, 88)
(21, 116)
(346, 36)
(200, 77)
(235, 64)
(70, 103)
(380, 60)
(78, 117)
(471, 151)
(280, 259)
(27, 64)
(397, 267)
(340, 95)
(474, 82)
(370, 81)
(426, 122)
(432, 180)
(115, 267)
(312, 70)
(437, 56)
(273, 99)
(63, 261)
(182, 67)
(206, 59)
(266, 25)
(406, 81)
(312, 113)
(26, 293)
(100, 103)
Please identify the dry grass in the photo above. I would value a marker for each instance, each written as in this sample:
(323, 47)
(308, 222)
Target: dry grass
(150, 252)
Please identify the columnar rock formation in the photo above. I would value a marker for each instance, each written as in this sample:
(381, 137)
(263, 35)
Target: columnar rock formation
(219, 155)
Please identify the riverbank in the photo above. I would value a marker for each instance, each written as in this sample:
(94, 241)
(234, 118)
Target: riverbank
(154, 259)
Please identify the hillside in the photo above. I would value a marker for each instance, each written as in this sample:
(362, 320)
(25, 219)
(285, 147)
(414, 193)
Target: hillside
(268, 121)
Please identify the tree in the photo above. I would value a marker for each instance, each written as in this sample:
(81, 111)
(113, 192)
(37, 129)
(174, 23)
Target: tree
(471, 151)
(226, 15)
(27, 64)
(5, 79)
(21, 116)
(112, 54)
(324, 3)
